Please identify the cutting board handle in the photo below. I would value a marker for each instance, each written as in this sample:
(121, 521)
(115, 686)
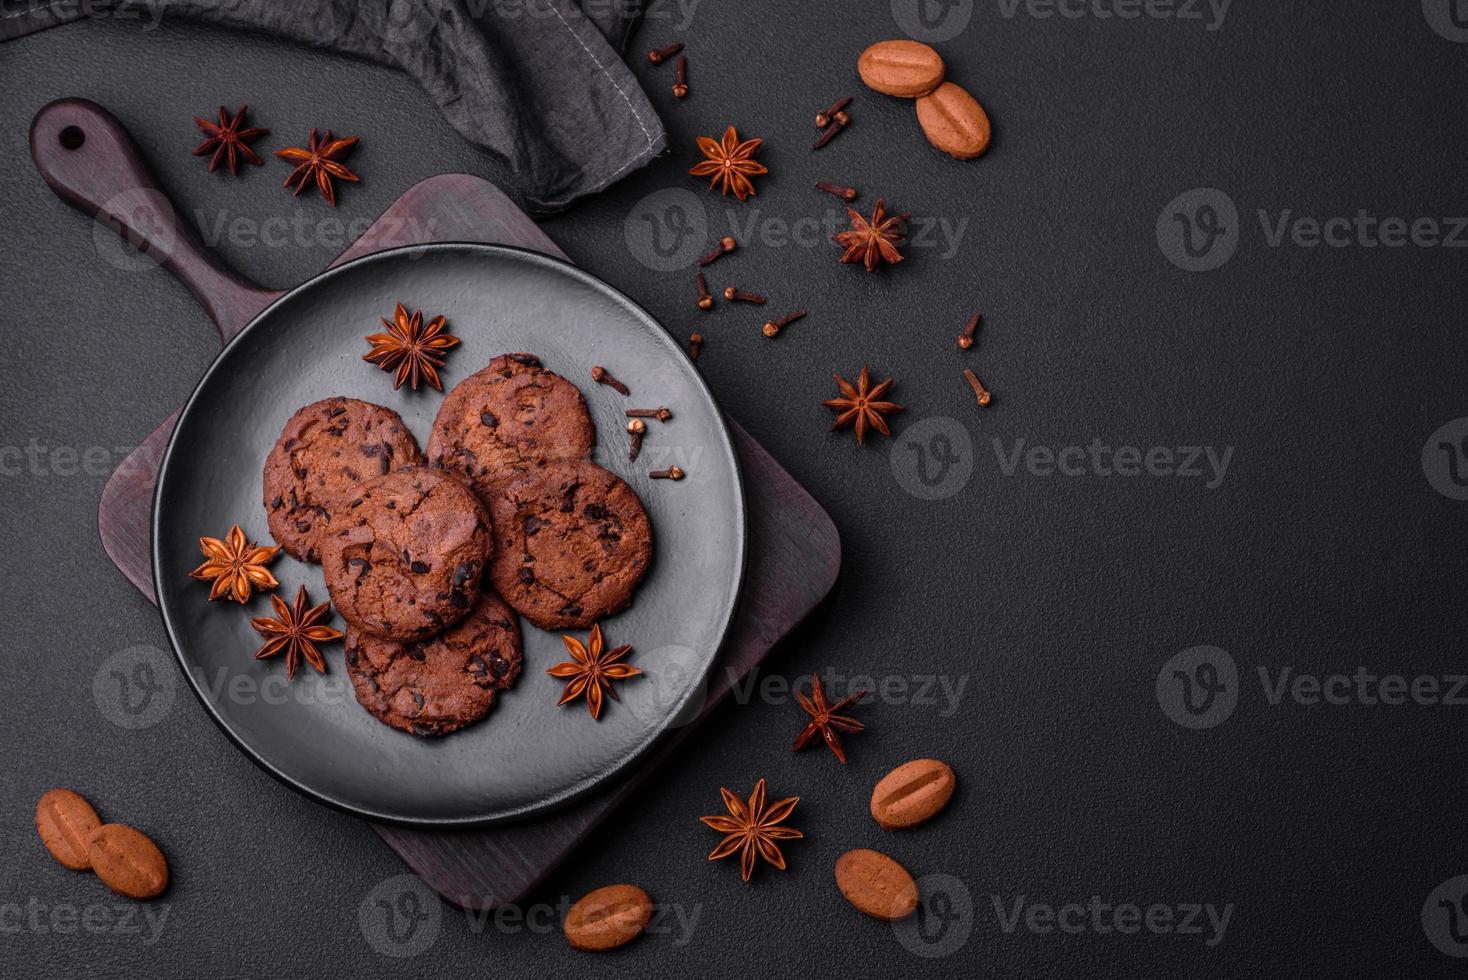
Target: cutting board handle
(90, 161)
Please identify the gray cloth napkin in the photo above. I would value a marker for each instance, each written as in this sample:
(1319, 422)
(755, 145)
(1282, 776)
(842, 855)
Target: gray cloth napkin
(539, 85)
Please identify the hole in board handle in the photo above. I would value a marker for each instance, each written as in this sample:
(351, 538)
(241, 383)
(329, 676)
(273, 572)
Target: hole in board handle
(72, 137)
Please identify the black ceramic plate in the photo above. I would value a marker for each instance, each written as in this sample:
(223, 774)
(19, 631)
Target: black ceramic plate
(528, 754)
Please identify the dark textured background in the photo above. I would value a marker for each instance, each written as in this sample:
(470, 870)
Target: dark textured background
(1058, 599)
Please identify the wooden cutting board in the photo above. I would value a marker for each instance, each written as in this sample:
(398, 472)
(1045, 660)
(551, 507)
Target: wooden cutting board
(89, 160)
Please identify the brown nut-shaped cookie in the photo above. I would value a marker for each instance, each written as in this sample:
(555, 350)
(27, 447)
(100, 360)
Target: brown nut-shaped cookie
(904, 68)
(572, 542)
(127, 861)
(323, 456)
(912, 794)
(954, 122)
(404, 559)
(438, 685)
(65, 821)
(609, 917)
(501, 421)
(876, 885)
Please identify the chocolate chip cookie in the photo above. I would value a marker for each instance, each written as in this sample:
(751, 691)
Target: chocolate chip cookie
(571, 543)
(501, 421)
(439, 685)
(325, 453)
(405, 557)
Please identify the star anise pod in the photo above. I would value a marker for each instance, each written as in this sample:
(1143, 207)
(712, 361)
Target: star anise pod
(861, 406)
(413, 347)
(730, 163)
(592, 671)
(826, 718)
(228, 141)
(319, 163)
(296, 632)
(875, 241)
(753, 828)
(235, 566)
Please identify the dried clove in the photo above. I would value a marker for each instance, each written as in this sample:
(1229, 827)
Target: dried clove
(772, 328)
(847, 194)
(966, 339)
(602, 376)
(671, 473)
(981, 394)
(695, 346)
(725, 246)
(680, 85)
(740, 296)
(636, 429)
(705, 301)
(660, 413)
(659, 55)
(839, 122)
(823, 119)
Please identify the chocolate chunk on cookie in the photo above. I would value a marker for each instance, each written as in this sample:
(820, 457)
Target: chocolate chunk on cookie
(439, 685)
(325, 453)
(498, 423)
(571, 543)
(404, 559)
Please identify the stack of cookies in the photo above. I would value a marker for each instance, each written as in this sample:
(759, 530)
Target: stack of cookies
(429, 558)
